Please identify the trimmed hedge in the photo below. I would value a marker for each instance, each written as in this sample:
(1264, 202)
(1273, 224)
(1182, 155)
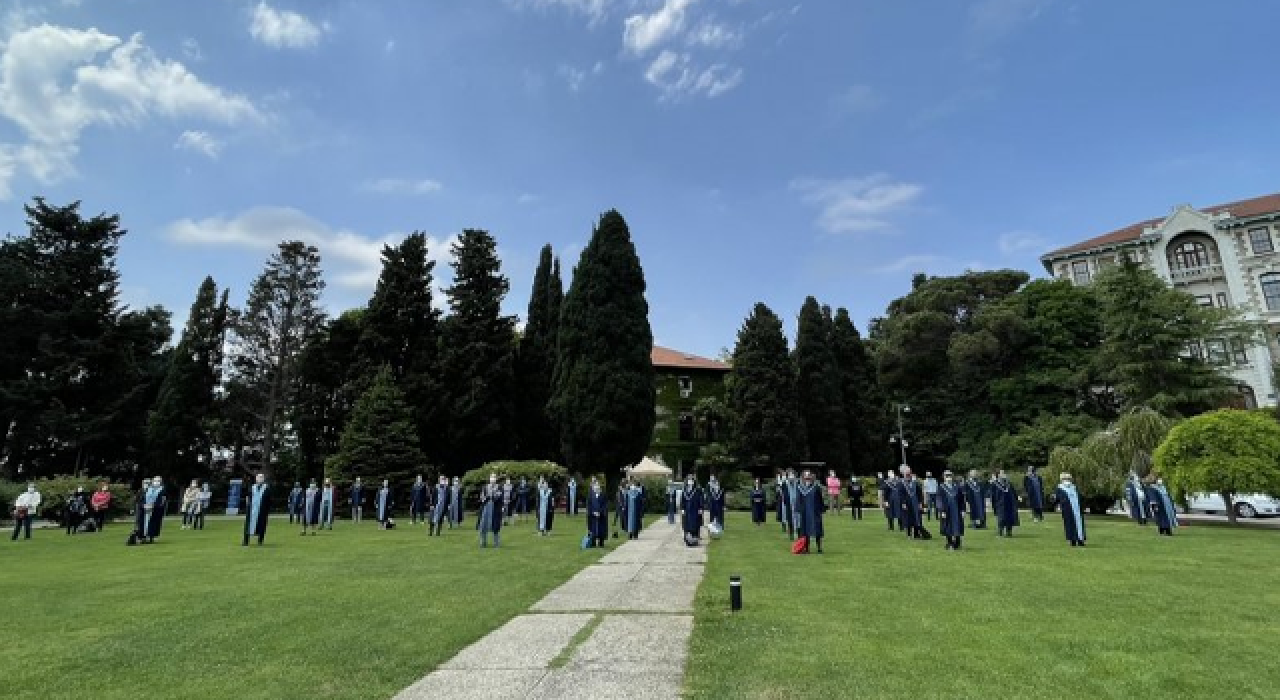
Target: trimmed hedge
(557, 475)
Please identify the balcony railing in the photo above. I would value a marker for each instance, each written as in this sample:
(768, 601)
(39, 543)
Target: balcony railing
(1190, 274)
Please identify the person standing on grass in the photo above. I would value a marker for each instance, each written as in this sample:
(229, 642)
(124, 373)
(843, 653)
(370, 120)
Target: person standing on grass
(571, 505)
(1034, 488)
(455, 503)
(508, 500)
(546, 506)
(25, 507)
(100, 502)
(793, 494)
(597, 515)
(203, 501)
(294, 505)
(489, 520)
(149, 511)
(855, 497)
(328, 501)
(930, 495)
(382, 504)
(357, 501)
(418, 501)
(1072, 517)
(912, 504)
(635, 510)
(891, 499)
(833, 490)
(442, 505)
(757, 504)
(522, 497)
(951, 510)
(76, 508)
(977, 505)
(190, 501)
(715, 498)
(780, 504)
(809, 509)
(1135, 494)
(1004, 502)
(258, 510)
(309, 512)
(1162, 510)
(691, 507)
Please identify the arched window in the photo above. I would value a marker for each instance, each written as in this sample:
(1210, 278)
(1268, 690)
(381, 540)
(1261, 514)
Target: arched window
(1271, 290)
(1189, 256)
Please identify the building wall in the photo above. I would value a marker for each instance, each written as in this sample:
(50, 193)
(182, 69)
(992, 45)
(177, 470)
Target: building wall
(1232, 277)
(672, 404)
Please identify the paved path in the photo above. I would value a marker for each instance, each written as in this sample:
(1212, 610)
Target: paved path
(618, 629)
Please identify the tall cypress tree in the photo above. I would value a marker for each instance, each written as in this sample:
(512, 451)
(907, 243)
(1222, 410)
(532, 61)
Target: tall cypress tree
(380, 441)
(178, 432)
(763, 415)
(477, 356)
(863, 403)
(818, 389)
(535, 364)
(327, 390)
(603, 399)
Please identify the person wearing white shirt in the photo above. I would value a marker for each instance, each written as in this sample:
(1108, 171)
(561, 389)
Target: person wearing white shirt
(25, 508)
(930, 495)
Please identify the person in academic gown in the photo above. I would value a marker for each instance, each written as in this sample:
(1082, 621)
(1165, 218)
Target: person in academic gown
(310, 508)
(620, 507)
(455, 503)
(672, 488)
(1069, 502)
(150, 510)
(757, 504)
(257, 510)
(977, 504)
(809, 508)
(328, 503)
(1162, 510)
(691, 507)
(382, 504)
(635, 511)
(891, 499)
(597, 515)
(418, 499)
(489, 520)
(791, 487)
(295, 504)
(778, 500)
(508, 500)
(546, 507)
(1004, 501)
(1135, 495)
(911, 504)
(571, 506)
(951, 510)
(357, 500)
(442, 506)
(1033, 486)
(715, 500)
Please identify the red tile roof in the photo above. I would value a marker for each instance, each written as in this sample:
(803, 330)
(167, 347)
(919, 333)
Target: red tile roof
(666, 357)
(1241, 210)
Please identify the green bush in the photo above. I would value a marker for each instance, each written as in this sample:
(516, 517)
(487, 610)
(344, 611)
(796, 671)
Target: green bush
(557, 475)
(54, 492)
(655, 492)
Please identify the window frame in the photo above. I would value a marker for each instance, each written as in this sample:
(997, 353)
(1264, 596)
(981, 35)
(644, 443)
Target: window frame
(1215, 350)
(1271, 298)
(1239, 353)
(1197, 249)
(1254, 240)
(1222, 300)
(1076, 269)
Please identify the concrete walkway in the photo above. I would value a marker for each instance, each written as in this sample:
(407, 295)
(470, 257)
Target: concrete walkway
(618, 629)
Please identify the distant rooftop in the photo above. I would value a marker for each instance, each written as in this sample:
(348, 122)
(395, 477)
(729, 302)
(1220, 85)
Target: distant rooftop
(674, 359)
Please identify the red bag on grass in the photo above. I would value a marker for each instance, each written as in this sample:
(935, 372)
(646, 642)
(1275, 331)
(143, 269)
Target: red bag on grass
(799, 545)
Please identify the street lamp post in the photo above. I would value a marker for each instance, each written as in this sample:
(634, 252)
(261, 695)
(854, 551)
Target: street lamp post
(900, 439)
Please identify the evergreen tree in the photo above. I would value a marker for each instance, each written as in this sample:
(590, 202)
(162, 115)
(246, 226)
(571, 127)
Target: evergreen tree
(326, 390)
(863, 404)
(1160, 348)
(818, 389)
(764, 418)
(178, 430)
(477, 356)
(535, 364)
(281, 316)
(379, 442)
(603, 398)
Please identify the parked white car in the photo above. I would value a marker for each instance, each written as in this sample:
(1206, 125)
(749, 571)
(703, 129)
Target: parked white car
(1248, 505)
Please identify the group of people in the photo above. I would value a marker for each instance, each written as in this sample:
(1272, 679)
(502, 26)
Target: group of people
(1149, 501)
(81, 512)
(798, 508)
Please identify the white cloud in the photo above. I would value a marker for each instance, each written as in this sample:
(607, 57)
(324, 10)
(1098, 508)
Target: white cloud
(856, 205)
(395, 185)
(351, 259)
(1016, 242)
(199, 142)
(641, 32)
(55, 82)
(678, 77)
(594, 10)
(714, 35)
(527, 198)
(283, 29)
(191, 50)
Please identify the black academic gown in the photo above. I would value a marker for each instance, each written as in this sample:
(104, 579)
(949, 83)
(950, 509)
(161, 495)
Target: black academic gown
(1004, 501)
(715, 497)
(951, 510)
(598, 516)
(310, 510)
(1072, 515)
(145, 526)
(441, 510)
(418, 498)
(912, 496)
(258, 528)
(757, 505)
(977, 505)
(1162, 510)
(694, 502)
(779, 501)
(893, 496)
(1034, 488)
(809, 509)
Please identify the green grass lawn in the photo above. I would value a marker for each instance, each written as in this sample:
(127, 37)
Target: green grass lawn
(1132, 615)
(352, 613)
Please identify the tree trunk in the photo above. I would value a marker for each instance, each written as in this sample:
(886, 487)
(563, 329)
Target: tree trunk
(1231, 506)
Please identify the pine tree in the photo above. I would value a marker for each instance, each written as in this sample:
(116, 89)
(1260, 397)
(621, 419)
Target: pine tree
(818, 389)
(178, 429)
(477, 356)
(764, 417)
(603, 398)
(379, 442)
(863, 404)
(326, 390)
(281, 316)
(535, 364)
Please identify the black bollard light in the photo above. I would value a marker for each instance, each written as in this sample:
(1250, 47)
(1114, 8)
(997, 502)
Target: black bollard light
(735, 593)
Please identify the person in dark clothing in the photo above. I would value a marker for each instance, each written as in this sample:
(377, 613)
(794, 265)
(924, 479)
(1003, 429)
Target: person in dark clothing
(855, 497)
(77, 507)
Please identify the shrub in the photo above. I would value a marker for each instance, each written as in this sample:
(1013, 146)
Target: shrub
(655, 492)
(54, 492)
(557, 475)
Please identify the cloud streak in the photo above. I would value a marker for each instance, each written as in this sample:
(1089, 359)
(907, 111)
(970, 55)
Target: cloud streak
(856, 205)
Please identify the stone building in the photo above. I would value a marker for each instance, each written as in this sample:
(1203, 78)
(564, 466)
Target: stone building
(682, 381)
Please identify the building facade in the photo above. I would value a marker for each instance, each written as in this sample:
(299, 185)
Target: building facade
(1225, 256)
(682, 382)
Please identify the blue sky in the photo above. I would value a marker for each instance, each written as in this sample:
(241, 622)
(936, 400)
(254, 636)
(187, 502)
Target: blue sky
(760, 150)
